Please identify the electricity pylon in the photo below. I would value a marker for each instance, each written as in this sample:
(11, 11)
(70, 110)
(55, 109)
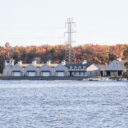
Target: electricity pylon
(69, 52)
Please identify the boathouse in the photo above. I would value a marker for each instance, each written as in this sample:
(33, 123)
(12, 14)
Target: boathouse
(115, 68)
(83, 69)
(34, 69)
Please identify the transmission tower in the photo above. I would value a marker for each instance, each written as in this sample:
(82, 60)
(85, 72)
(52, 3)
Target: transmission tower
(69, 52)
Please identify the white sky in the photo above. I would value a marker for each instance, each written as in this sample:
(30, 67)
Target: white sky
(37, 22)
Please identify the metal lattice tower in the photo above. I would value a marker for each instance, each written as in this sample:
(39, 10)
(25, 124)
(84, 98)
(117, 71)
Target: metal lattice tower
(69, 52)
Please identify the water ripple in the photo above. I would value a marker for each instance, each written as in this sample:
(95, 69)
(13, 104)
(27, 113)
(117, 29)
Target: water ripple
(63, 104)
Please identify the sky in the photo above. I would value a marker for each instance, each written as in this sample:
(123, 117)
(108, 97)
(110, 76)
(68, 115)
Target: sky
(39, 22)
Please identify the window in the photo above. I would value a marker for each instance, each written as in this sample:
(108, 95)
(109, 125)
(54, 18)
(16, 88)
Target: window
(79, 67)
(84, 67)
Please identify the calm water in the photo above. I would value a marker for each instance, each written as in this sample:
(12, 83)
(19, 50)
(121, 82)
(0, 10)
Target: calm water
(63, 104)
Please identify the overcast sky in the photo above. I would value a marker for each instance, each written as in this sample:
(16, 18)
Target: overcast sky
(37, 22)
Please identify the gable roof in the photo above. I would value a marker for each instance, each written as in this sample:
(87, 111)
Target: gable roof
(45, 67)
(30, 67)
(114, 65)
(77, 65)
(61, 67)
(16, 67)
(92, 67)
(122, 62)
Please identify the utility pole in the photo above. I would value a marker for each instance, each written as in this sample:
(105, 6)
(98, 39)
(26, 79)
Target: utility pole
(69, 52)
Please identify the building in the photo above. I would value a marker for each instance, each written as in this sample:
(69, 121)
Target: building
(83, 69)
(34, 69)
(115, 68)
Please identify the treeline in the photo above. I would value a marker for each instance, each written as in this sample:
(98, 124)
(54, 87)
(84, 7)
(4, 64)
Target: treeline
(92, 53)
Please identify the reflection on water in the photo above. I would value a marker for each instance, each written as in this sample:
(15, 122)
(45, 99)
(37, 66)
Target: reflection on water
(63, 104)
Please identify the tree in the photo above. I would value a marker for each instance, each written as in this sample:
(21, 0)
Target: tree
(92, 53)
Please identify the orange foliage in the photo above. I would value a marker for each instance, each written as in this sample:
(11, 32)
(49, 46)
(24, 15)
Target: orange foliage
(92, 53)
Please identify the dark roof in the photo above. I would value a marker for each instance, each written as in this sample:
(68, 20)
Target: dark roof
(77, 65)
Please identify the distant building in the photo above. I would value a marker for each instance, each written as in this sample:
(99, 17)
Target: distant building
(115, 68)
(84, 69)
(34, 69)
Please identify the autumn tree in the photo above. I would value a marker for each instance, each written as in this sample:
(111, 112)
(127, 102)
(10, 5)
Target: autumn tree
(92, 53)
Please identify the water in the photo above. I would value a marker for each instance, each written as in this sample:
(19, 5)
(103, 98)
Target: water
(63, 104)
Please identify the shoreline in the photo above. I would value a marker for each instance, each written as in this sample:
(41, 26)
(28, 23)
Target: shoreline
(42, 78)
(66, 78)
